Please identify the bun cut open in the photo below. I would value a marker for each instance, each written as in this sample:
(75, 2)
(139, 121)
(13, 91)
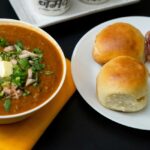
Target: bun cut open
(122, 84)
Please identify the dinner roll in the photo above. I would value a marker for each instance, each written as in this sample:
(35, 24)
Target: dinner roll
(122, 84)
(116, 40)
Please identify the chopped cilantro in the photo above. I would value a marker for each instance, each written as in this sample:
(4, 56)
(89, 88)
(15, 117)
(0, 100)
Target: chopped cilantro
(19, 46)
(3, 42)
(7, 104)
(37, 51)
(24, 63)
(26, 93)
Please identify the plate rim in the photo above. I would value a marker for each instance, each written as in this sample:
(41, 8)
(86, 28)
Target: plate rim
(72, 70)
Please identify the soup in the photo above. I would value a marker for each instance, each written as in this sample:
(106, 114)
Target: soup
(49, 75)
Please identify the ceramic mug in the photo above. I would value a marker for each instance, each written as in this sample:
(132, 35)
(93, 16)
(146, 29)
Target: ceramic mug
(93, 1)
(51, 7)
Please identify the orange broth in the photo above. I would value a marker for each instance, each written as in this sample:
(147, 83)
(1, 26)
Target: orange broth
(51, 59)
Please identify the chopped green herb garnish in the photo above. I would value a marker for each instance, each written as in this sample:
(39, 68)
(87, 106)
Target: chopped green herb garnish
(4, 81)
(37, 66)
(19, 44)
(37, 51)
(5, 56)
(3, 42)
(19, 76)
(24, 63)
(1, 94)
(26, 93)
(7, 104)
(18, 49)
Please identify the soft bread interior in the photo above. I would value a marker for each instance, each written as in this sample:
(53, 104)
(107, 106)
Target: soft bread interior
(124, 102)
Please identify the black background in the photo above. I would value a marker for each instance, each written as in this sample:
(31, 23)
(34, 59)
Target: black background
(78, 126)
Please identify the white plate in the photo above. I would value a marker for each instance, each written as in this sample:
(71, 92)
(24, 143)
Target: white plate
(85, 70)
(25, 11)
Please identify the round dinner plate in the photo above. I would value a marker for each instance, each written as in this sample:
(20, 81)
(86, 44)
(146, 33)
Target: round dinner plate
(85, 70)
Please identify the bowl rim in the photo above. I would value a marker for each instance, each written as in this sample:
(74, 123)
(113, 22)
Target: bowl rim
(51, 39)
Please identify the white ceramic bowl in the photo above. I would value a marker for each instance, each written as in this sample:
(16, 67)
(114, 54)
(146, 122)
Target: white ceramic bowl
(5, 119)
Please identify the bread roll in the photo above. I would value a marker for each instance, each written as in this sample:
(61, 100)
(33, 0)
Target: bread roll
(122, 84)
(116, 40)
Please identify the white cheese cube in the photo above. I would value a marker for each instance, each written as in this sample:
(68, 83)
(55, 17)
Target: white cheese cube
(6, 68)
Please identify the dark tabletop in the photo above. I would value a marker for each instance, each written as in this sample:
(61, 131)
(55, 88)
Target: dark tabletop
(78, 126)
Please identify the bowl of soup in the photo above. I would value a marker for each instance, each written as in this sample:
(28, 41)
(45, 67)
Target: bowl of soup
(32, 69)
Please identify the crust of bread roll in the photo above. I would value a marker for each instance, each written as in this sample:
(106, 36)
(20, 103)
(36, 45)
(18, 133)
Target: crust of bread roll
(122, 84)
(118, 39)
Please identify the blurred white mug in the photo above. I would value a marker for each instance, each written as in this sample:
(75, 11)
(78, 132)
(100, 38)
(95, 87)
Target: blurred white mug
(93, 1)
(51, 7)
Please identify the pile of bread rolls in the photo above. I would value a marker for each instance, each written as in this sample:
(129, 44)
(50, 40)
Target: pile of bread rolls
(122, 83)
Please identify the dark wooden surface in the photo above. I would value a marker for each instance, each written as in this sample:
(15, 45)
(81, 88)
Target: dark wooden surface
(78, 126)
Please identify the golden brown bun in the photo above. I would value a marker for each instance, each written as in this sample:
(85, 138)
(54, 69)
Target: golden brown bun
(116, 40)
(122, 84)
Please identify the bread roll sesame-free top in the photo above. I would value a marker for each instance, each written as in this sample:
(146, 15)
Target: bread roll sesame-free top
(122, 84)
(118, 39)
